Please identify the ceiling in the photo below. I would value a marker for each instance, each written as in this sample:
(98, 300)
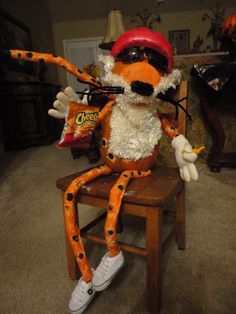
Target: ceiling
(74, 10)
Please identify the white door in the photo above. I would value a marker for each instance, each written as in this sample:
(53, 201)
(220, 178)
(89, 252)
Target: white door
(81, 52)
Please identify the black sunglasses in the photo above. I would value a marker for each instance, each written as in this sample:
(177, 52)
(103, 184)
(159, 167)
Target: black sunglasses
(135, 54)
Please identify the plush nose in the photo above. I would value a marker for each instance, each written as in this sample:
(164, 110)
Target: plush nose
(141, 88)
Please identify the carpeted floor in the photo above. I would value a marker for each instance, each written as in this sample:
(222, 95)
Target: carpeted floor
(33, 269)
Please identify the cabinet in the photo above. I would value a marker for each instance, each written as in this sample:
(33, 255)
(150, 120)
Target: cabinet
(25, 95)
(24, 114)
(214, 104)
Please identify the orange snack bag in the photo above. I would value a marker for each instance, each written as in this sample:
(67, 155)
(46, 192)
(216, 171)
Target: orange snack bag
(80, 122)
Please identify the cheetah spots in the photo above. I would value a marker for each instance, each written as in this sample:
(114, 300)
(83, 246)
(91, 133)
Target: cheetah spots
(75, 238)
(110, 156)
(81, 255)
(69, 196)
(104, 142)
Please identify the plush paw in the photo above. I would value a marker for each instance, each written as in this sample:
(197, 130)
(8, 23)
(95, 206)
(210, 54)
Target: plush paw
(185, 158)
(61, 104)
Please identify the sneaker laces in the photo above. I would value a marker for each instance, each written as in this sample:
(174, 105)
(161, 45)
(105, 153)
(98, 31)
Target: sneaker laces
(104, 266)
(80, 290)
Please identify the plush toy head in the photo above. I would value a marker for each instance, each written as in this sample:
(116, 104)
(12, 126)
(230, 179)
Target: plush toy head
(136, 43)
(141, 63)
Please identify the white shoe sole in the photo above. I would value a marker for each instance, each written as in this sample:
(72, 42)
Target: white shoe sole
(108, 281)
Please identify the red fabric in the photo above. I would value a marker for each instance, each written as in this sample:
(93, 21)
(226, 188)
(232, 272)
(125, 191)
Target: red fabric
(70, 140)
(142, 36)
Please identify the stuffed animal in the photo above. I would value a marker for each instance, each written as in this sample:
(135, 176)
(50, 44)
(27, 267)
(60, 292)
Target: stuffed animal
(138, 73)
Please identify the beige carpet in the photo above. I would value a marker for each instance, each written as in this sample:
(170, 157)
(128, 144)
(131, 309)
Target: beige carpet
(33, 269)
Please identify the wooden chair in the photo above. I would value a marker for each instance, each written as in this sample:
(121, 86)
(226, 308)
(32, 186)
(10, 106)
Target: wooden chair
(149, 198)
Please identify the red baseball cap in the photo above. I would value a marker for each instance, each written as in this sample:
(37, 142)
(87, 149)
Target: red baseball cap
(144, 37)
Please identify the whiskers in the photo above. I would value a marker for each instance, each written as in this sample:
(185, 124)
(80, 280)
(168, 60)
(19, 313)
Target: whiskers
(177, 104)
(102, 90)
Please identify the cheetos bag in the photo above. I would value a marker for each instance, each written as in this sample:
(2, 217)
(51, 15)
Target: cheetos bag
(80, 122)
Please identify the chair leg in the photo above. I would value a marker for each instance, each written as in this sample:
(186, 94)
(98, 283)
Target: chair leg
(73, 269)
(154, 254)
(180, 218)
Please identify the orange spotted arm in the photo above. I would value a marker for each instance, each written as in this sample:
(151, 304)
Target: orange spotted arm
(168, 128)
(104, 112)
(50, 58)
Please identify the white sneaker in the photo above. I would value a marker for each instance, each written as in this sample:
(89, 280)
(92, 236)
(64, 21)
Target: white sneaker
(106, 270)
(81, 296)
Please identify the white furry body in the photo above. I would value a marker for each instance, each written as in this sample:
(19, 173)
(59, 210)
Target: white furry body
(135, 131)
(135, 126)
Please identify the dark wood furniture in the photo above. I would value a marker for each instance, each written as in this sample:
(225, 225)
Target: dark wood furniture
(24, 118)
(215, 104)
(149, 199)
(89, 148)
(24, 93)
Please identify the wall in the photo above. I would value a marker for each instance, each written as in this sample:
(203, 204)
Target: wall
(34, 15)
(172, 21)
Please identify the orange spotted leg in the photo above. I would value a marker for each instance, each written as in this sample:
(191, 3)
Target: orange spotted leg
(116, 196)
(72, 228)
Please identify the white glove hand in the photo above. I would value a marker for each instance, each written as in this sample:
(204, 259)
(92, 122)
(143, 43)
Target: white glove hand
(185, 158)
(61, 104)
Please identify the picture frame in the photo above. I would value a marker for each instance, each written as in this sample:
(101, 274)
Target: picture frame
(15, 35)
(179, 40)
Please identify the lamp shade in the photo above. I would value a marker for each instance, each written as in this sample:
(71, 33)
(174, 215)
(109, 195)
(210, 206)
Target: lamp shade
(115, 28)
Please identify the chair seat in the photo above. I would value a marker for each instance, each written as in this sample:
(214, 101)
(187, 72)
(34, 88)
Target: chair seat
(153, 190)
